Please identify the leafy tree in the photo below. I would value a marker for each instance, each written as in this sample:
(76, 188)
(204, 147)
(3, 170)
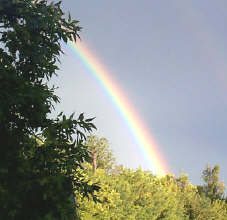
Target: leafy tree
(137, 194)
(109, 202)
(200, 207)
(213, 187)
(100, 152)
(133, 195)
(37, 178)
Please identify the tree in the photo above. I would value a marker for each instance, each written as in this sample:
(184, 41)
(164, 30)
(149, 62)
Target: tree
(37, 178)
(133, 194)
(100, 152)
(137, 194)
(213, 187)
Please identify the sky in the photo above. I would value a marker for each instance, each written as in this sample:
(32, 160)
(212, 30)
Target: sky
(168, 57)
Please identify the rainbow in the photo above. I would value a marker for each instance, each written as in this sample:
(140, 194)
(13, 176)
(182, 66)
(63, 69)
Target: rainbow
(136, 126)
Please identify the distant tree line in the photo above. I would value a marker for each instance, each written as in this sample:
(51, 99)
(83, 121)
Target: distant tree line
(138, 194)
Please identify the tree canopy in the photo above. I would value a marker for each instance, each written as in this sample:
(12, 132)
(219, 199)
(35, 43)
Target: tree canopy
(100, 152)
(139, 195)
(39, 156)
(213, 187)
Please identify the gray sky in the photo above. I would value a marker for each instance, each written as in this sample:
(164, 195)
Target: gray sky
(169, 57)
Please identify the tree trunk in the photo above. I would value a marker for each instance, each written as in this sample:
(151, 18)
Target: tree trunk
(94, 165)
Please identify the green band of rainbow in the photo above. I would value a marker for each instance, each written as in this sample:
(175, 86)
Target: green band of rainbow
(137, 128)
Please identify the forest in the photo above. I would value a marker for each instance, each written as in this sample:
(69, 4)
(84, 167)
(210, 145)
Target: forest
(138, 194)
(56, 168)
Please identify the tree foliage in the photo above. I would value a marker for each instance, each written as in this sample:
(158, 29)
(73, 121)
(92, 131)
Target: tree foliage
(39, 156)
(100, 152)
(137, 195)
(213, 187)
